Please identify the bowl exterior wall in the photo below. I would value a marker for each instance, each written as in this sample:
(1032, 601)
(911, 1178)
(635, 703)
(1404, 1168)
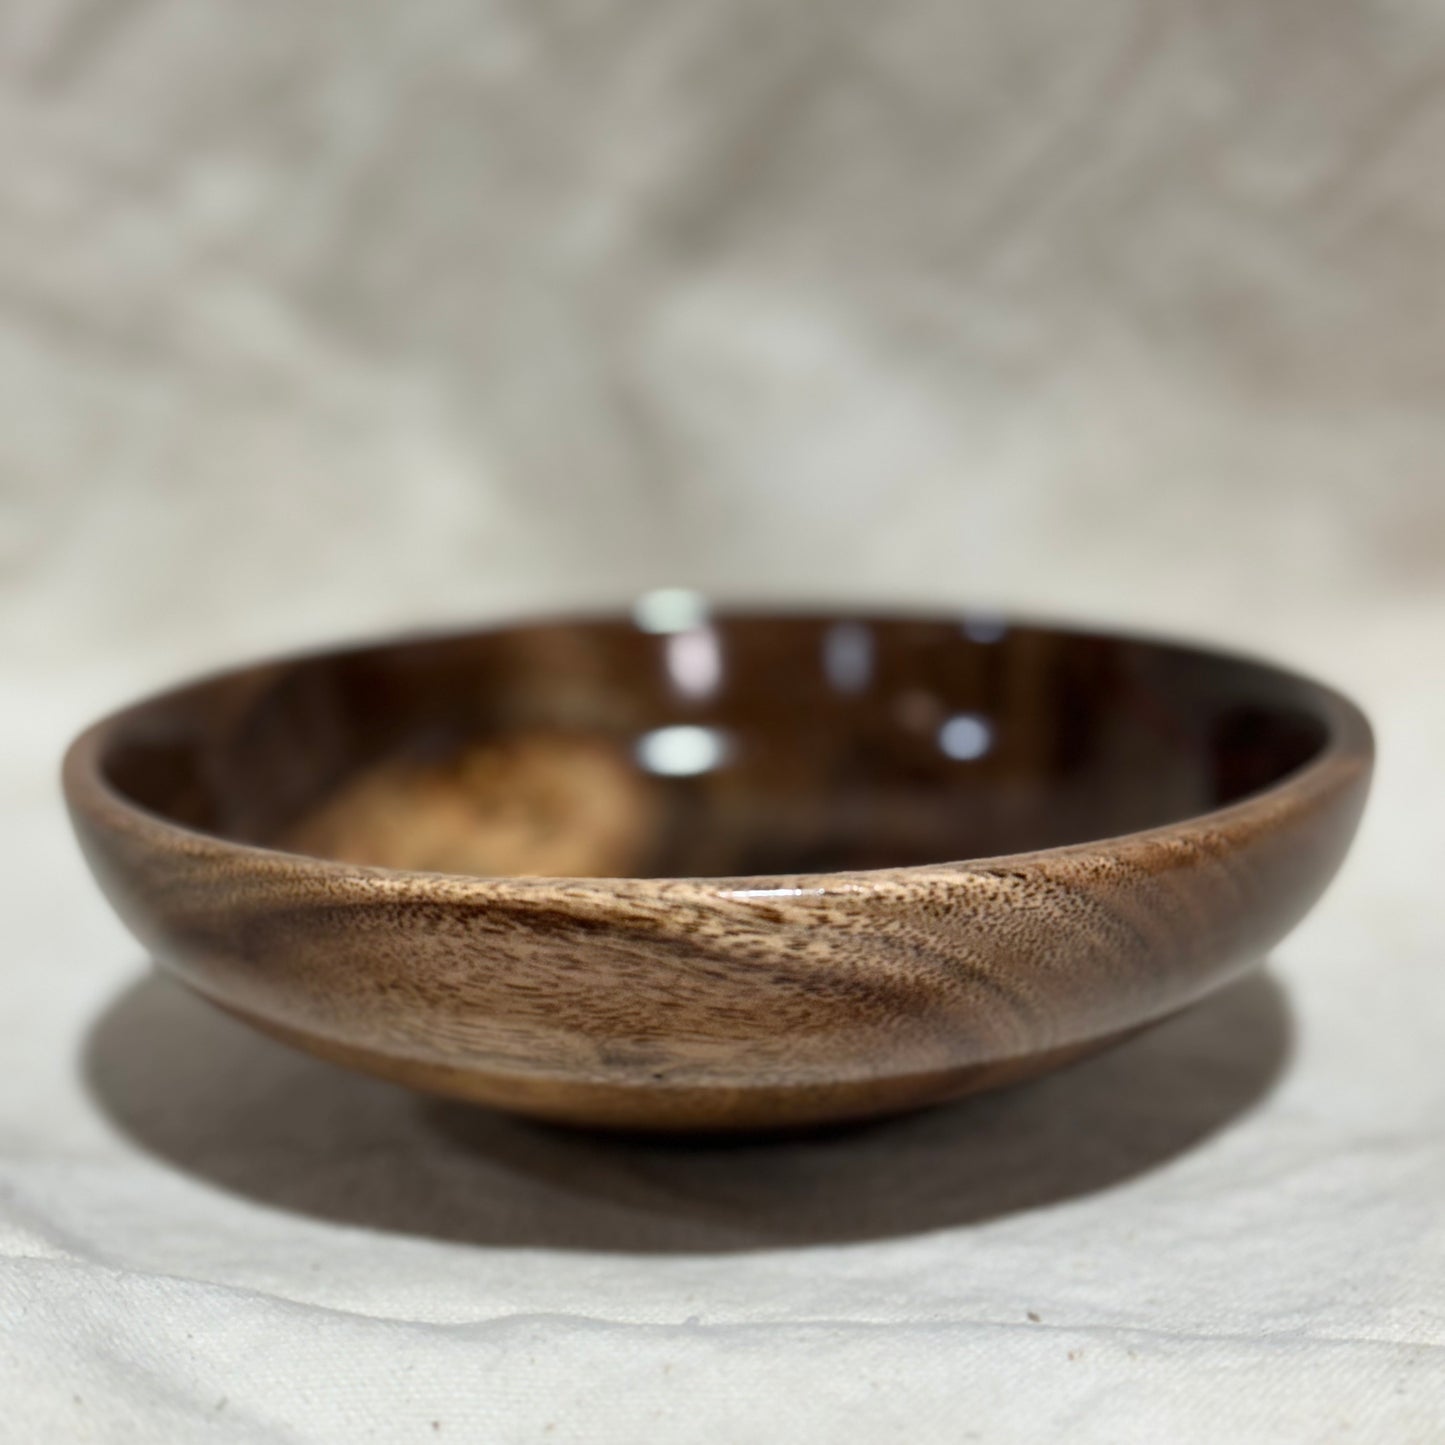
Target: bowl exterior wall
(725, 1003)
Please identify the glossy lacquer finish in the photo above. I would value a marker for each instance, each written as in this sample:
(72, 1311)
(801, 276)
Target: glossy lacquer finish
(686, 872)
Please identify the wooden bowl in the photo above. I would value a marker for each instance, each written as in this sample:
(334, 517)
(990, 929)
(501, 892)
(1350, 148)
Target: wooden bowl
(691, 872)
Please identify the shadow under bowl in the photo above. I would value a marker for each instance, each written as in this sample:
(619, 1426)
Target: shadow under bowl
(701, 872)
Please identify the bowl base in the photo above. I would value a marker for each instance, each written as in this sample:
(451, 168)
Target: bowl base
(653, 1106)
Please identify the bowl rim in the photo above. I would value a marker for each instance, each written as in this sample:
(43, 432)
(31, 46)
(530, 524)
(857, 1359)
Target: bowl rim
(1348, 748)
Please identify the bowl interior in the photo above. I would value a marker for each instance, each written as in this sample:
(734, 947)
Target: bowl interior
(736, 746)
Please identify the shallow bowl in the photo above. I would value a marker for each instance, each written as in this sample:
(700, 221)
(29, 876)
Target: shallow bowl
(686, 871)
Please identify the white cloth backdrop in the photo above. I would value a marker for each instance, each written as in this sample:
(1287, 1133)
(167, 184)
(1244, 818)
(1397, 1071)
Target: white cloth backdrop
(320, 320)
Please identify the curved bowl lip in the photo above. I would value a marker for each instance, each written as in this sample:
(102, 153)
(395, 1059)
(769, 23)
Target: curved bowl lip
(1349, 744)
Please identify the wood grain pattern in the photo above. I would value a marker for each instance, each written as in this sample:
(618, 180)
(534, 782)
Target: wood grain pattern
(787, 936)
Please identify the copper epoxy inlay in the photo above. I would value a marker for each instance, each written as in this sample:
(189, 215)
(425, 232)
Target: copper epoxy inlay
(694, 872)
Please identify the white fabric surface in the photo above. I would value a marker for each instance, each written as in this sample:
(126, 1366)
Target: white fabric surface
(322, 320)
